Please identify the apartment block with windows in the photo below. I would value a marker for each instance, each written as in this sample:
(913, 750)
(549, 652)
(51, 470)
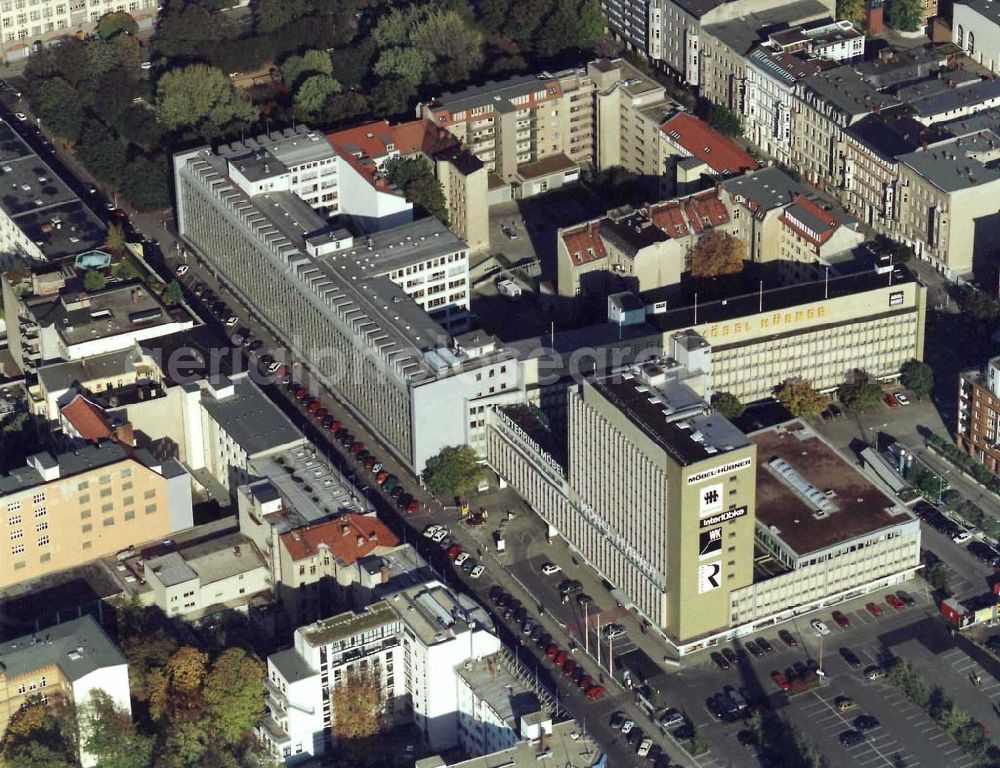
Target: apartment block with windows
(61, 511)
(27, 26)
(68, 661)
(356, 310)
(407, 645)
(978, 413)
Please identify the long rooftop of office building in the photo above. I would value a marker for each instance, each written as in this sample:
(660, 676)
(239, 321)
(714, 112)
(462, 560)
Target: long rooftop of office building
(654, 397)
(346, 274)
(41, 205)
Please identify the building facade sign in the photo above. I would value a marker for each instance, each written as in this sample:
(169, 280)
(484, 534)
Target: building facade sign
(725, 469)
(724, 517)
(709, 577)
(710, 543)
(765, 323)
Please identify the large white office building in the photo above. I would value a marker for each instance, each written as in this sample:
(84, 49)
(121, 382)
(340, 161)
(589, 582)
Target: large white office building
(371, 316)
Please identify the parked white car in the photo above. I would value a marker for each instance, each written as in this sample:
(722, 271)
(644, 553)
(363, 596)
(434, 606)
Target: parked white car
(550, 568)
(461, 558)
(820, 627)
(182, 270)
(478, 571)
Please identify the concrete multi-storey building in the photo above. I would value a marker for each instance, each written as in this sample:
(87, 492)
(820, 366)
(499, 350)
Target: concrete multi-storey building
(222, 572)
(48, 320)
(62, 511)
(819, 331)
(69, 661)
(25, 29)
(674, 506)
(534, 132)
(461, 174)
(41, 218)
(769, 99)
(408, 645)
(355, 311)
(945, 200)
(978, 409)
(564, 744)
(828, 103)
(830, 534)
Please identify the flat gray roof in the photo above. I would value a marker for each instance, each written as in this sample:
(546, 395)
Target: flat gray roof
(222, 557)
(744, 33)
(845, 90)
(171, 569)
(498, 93)
(83, 459)
(41, 205)
(767, 188)
(672, 414)
(493, 683)
(78, 648)
(59, 376)
(291, 665)
(250, 418)
(568, 746)
(953, 166)
(80, 317)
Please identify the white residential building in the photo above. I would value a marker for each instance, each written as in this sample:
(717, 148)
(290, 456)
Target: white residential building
(222, 572)
(410, 642)
(26, 29)
(769, 99)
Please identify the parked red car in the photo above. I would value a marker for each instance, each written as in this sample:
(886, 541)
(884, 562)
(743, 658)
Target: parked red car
(314, 406)
(552, 651)
(321, 414)
(454, 552)
(781, 681)
(335, 425)
(301, 393)
(842, 620)
(357, 447)
(560, 658)
(413, 507)
(895, 602)
(890, 400)
(595, 692)
(381, 477)
(874, 609)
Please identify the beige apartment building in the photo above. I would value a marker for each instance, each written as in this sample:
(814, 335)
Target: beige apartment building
(947, 201)
(811, 237)
(830, 102)
(62, 511)
(534, 132)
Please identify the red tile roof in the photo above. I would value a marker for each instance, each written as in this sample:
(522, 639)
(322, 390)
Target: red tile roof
(363, 145)
(720, 154)
(348, 538)
(690, 215)
(87, 419)
(585, 245)
(817, 225)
